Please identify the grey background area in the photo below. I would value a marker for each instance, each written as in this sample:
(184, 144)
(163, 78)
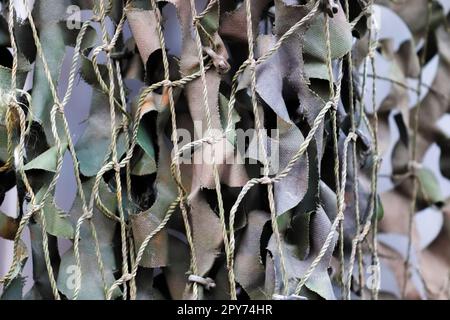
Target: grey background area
(77, 111)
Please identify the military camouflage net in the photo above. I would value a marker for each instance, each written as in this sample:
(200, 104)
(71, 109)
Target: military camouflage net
(247, 163)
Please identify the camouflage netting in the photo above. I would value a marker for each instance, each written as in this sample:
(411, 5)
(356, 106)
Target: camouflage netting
(296, 212)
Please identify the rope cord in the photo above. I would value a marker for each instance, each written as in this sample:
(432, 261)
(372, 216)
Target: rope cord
(124, 125)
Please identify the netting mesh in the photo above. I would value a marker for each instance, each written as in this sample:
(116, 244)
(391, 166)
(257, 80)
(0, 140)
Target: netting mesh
(214, 229)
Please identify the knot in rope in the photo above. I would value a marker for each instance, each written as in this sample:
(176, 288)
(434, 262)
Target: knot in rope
(207, 283)
(116, 166)
(89, 215)
(127, 277)
(252, 63)
(213, 139)
(334, 105)
(7, 98)
(265, 180)
(219, 62)
(96, 18)
(413, 165)
(36, 207)
(60, 108)
(353, 136)
(167, 83)
(196, 20)
(209, 140)
(377, 159)
(108, 47)
(375, 34)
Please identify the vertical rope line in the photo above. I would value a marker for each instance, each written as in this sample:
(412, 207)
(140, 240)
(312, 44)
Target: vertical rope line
(213, 151)
(173, 206)
(374, 178)
(71, 147)
(251, 183)
(339, 216)
(133, 287)
(373, 131)
(123, 225)
(351, 137)
(107, 46)
(111, 91)
(355, 244)
(372, 206)
(88, 213)
(375, 185)
(175, 170)
(125, 124)
(13, 45)
(55, 108)
(413, 151)
(259, 129)
(230, 254)
(339, 194)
